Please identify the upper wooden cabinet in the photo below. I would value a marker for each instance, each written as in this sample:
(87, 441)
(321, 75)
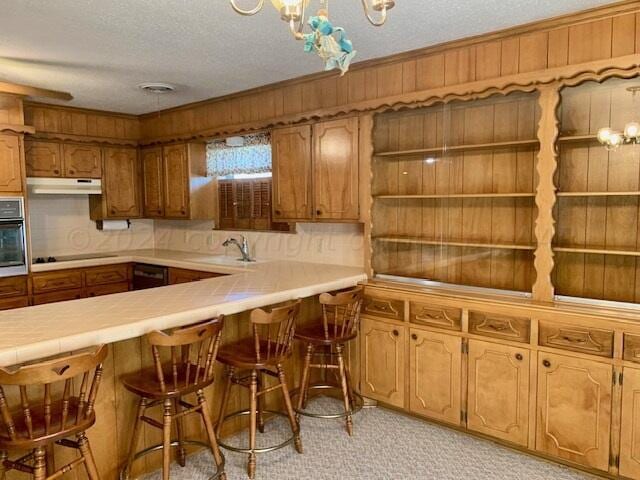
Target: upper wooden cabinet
(120, 186)
(82, 161)
(335, 170)
(175, 183)
(292, 173)
(574, 409)
(498, 391)
(10, 164)
(315, 172)
(43, 159)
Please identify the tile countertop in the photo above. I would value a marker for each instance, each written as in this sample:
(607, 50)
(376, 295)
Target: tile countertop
(36, 332)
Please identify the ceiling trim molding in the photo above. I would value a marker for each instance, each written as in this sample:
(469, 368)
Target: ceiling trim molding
(28, 91)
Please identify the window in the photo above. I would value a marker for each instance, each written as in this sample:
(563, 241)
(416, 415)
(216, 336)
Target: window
(243, 168)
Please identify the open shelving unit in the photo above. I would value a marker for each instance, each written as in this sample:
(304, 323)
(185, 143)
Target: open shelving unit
(597, 212)
(453, 192)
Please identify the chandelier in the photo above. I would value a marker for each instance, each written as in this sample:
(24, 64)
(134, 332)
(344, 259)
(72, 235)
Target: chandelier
(613, 139)
(326, 40)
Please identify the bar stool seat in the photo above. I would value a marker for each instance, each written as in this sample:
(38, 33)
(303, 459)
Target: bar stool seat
(316, 334)
(145, 382)
(242, 354)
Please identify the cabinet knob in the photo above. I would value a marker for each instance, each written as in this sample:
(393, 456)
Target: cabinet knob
(113, 211)
(519, 357)
(72, 172)
(56, 172)
(414, 336)
(183, 212)
(546, 363)
(318, 212)
(278, 212)
(396, 333)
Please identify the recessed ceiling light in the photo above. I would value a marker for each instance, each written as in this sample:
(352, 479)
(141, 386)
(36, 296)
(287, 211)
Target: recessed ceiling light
(157, 87)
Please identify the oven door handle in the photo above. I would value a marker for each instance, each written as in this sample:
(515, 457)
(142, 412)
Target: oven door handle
(11, 225)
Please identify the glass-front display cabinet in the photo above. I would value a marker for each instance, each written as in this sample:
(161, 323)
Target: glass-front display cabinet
(453, 192)
(596, 246)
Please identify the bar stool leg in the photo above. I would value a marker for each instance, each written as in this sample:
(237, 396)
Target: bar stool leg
(345, 388)
(304, 382)
(135, 439)
(295, 426)
(51, 463)
(166, 439)
(225, 398)
(182, 453)
(3, 457)
(251, 468)
(260, 402)
(87, 454)
(40, 464)
(213, 441)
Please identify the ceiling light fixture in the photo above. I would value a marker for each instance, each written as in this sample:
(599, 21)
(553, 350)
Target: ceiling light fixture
(325, 39)
(157, 87)
(613, 139)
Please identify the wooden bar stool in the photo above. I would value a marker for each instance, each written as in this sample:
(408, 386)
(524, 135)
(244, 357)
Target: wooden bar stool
(36, 426)
(263, 353)
(190, 368)
(327, 337)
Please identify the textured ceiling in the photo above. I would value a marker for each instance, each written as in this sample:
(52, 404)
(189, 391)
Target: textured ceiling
(99, 50)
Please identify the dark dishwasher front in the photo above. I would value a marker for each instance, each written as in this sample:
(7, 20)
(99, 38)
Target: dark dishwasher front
(149, 276)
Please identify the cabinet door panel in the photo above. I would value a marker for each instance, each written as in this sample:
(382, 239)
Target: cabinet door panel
(43, 159)
(292, 173)
(630, 438)
(335, 170)
(383, 362)
(435, 366)
(121, 183)
(574, 409)
(498, 394)
(153, 181)
(176, 181)
(10, 164)
(82, 161)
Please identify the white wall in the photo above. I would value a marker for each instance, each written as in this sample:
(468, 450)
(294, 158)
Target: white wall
(60, 225)
(340, 244)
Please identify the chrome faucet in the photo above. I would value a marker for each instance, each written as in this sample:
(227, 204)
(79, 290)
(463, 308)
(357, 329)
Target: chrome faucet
(243, 247)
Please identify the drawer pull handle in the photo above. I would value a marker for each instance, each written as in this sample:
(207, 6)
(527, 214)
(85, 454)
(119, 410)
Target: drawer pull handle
(546, 363)
(569, 339)
(396, 333)
(519, 357)
(414, 336)
(498, 327)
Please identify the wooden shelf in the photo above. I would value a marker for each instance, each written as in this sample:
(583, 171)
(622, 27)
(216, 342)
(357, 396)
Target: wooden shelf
(597, 250)
(426, 241)
(577, 139)
(599, 194)
(461, 148)
(459, 195)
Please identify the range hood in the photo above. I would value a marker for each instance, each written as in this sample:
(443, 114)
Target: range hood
(64, 186)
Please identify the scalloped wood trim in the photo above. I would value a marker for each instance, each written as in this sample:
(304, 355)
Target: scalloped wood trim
(4, 127)
(68, 137)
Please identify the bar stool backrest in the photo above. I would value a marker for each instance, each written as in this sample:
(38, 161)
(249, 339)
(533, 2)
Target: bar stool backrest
(341, 313)
(192, 350)
(49, 401)
(273, 332)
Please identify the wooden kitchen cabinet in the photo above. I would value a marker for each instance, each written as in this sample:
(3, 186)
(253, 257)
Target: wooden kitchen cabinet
(13, 286)
(81, 161)
(335, 170)
(574, 409)
(14, 302)
(43, 159)
(181, 275)
(291, 173)
(435, 375)
(152, 185)
(175, 183)
(498, 391)
(120, 197)
(10, 164)
(383, 361)
(630, 424)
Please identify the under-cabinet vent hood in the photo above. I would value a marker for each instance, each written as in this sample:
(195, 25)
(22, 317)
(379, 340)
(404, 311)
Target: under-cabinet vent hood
(64, 186)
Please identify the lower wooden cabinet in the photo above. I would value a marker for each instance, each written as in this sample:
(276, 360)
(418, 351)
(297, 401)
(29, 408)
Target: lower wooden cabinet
(14, 302)
(61, 296)
(383, 361)
(498, 391)
(180, 275)
(435, 375)
(630, 424)
(99, 290)
(574, 409)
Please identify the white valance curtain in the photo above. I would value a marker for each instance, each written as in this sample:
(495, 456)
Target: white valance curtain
(253, 157)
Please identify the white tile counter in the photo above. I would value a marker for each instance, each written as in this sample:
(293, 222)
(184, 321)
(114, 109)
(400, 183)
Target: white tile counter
(35, 332)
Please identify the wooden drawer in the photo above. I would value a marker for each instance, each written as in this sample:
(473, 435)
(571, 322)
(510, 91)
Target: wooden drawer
(495, 325)
(106, 275)
(632, 347)
(576, 339)
(99, 290)
(180, 275)
(13, 286)
(15, 302)
(61, 296)
(383, 307)
(435, 316)
(54, 281)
